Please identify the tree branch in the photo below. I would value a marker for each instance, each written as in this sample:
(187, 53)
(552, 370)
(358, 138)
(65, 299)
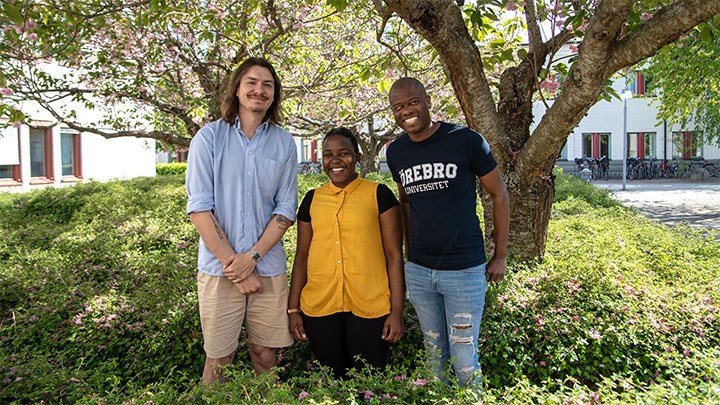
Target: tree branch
(666, 25)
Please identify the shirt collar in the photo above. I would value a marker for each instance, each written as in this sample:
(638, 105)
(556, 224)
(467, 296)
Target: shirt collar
(348, 189)
(264, 126)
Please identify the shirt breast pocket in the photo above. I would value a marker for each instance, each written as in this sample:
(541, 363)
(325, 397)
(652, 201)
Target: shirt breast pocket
(269, 175)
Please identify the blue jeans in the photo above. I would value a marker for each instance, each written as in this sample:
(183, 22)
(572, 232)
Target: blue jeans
(449, 306)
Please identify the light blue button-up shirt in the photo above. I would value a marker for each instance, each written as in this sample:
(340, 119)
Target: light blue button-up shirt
(245, 182)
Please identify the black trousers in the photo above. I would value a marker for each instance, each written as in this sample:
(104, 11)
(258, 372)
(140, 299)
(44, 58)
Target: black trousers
(338, 338)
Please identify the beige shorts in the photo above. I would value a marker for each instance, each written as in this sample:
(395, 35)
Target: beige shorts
(223, 308)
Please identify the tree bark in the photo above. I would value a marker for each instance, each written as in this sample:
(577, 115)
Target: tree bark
(527, 159)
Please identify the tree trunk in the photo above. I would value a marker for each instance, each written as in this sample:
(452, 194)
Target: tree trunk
(530, 208)
(369, 164)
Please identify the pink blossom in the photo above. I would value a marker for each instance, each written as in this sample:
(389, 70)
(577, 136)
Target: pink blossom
(368, 394)
(680, 45)
(543, 363)
(686, 352)
(302, 395)
(574, 48)
(683, 36)
(18, 29)
(511, 6)
(420, 382)
(16, 124)
(30, 25)
(645, 16)
(6, 91)
(400, 377)
(560, 23)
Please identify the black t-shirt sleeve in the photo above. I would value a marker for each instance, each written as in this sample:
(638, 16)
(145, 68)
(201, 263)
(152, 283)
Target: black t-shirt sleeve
(303, 213)
(481, 159)
(385, 198)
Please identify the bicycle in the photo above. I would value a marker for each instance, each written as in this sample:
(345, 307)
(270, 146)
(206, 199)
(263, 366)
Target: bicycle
(600, 168)
(665, 170)
(652, 169)
(712, 170)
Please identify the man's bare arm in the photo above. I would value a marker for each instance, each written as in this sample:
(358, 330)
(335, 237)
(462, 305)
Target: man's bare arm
(495, 186)
(213, 235)
(243, 264)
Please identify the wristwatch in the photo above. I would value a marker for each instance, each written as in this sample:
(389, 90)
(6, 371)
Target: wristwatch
(255, 256)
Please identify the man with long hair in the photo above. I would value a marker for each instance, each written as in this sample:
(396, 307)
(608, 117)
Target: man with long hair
(242, 197)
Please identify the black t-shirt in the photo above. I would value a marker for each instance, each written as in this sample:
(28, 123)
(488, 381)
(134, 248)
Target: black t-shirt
(385, 199)
(438, 175)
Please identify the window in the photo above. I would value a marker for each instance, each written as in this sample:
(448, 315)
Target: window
(641, 145)
(595, 145)
(636, 82)
(70, 153)
(10, 172)
(687, 145)
(41, 161)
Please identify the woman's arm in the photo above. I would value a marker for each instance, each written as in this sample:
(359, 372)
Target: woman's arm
(391, 230)
(299, 278)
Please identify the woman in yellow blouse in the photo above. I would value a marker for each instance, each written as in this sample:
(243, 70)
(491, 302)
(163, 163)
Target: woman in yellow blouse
(347, 288)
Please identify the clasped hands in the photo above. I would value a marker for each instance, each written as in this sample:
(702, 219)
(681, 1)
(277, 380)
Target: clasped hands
(240, 270)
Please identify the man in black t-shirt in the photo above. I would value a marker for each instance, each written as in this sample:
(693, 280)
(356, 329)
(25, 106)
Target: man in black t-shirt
(435, 165)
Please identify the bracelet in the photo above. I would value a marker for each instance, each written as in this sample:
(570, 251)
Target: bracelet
(293, 310)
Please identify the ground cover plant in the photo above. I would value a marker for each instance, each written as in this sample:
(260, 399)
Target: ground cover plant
(98, 305)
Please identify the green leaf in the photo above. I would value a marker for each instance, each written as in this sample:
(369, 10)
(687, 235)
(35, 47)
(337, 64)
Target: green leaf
(497, 43)
(507, 55)
(13, 13)
(706, 34)
(340, 5)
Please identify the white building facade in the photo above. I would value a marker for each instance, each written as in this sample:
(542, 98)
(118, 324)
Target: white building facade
(39, 155)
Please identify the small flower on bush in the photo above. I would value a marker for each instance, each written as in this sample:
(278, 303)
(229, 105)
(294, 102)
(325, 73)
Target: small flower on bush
(367, 394)
(420, 382)
(302, 395)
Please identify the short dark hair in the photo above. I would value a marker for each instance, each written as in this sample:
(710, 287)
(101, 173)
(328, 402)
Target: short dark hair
(409, 82)
(231, 105)
(342, 131)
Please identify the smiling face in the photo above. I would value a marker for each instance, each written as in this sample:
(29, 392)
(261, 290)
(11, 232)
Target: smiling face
(339, 159)
(256, 90)
(411, 109)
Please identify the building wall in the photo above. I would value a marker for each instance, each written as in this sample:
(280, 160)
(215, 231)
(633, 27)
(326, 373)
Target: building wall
(99, 159)
(607, 117)
(118, 158)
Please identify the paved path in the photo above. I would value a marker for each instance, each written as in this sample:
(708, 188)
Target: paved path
(671, 201)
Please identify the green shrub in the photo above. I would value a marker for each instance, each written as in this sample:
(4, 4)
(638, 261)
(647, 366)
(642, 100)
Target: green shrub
(162, 169)
(98, 305)
(567, 186)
